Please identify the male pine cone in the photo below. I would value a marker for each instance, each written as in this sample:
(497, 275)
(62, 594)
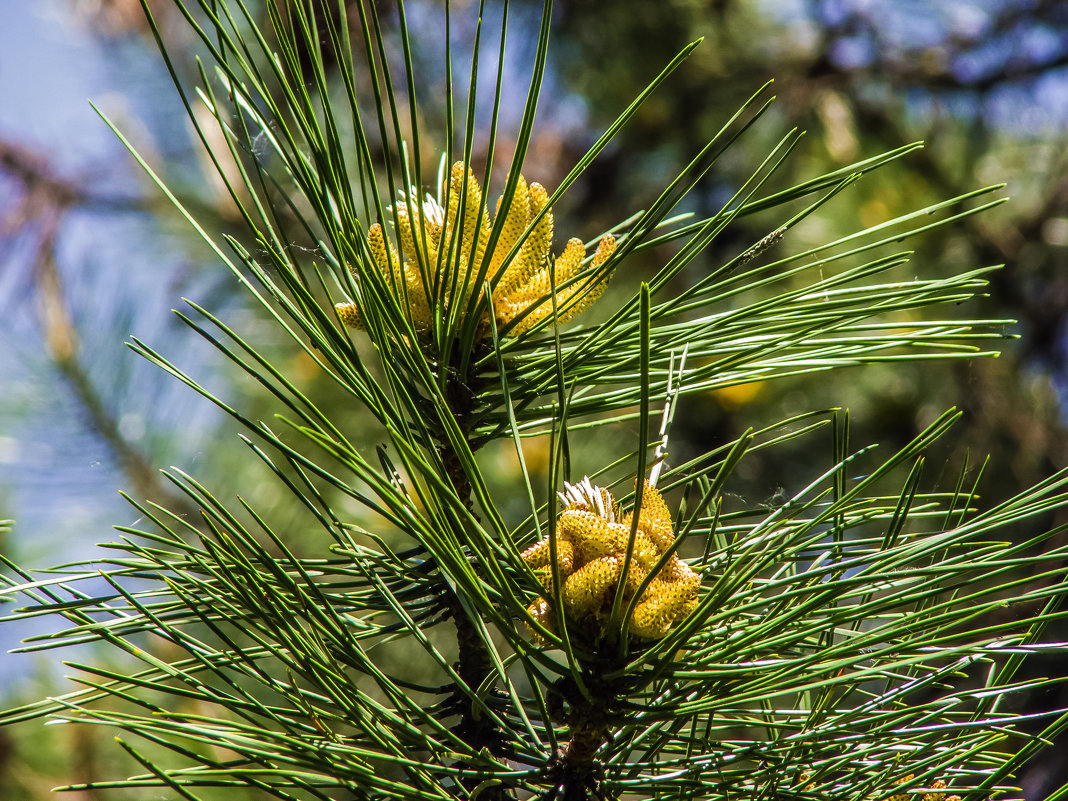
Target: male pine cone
(591, 546)
(445, 253)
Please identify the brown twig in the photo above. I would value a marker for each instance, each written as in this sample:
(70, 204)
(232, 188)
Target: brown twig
(474, 664)
(45, 201)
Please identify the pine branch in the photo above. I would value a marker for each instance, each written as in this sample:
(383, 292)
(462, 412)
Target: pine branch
(683, 642)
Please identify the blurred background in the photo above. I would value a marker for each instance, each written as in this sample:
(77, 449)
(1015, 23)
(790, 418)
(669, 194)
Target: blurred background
(92, 254)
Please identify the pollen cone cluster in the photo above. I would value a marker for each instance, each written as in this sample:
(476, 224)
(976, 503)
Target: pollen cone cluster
(938, 784)
(444, 256)
(591, 547)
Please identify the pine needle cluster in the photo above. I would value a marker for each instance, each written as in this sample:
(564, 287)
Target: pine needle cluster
(863, 637)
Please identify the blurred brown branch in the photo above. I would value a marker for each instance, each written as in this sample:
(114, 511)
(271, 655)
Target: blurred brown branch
(44, 199)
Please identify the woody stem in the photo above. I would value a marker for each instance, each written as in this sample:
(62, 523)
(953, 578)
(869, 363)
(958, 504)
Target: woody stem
(474, 664)
(578, 771)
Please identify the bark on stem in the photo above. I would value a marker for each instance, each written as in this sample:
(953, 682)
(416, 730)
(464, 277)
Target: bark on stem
(474, 664)
(577, 772)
